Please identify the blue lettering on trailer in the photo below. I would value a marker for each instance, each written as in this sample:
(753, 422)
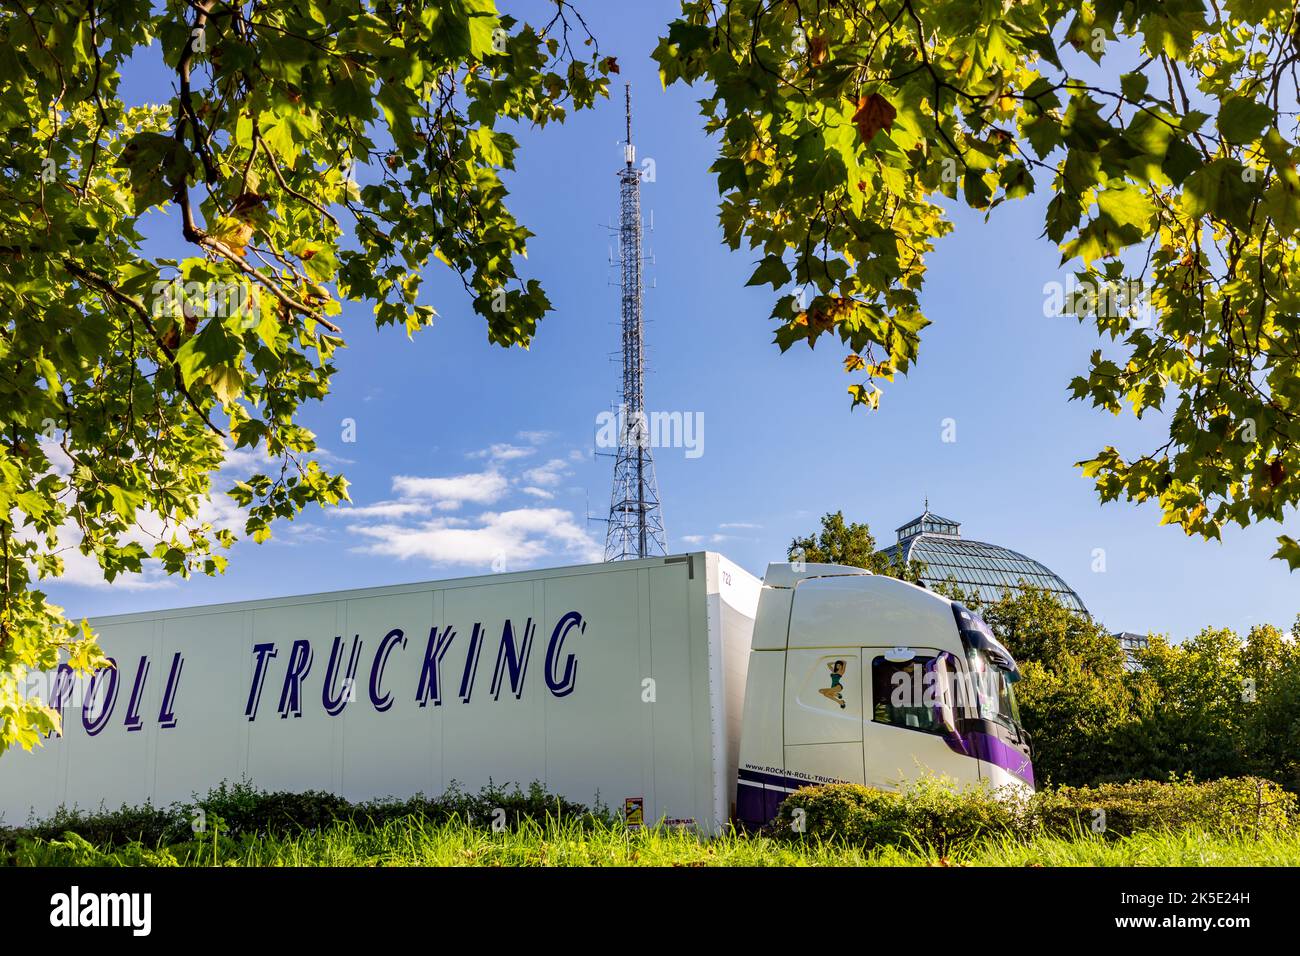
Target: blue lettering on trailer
(299, 665)
(334, 703)
(509, 674)
(263, 652)
(378, 697)
(430, 675)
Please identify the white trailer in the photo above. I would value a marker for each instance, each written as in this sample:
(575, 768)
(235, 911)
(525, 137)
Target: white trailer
(621, 682)
(677, 689)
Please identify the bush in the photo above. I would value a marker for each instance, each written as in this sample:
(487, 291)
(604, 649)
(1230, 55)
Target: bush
(145, 824)
(930, 813)
(243, 809)
(238, 810)
(1229, 806)
(933, 814)
(480, 809)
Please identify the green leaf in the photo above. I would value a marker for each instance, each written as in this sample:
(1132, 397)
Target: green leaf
(1133, 86)
(1220, 189)
(771, 270)
(225, 381)
(1242, 119)
(213, 346)
(482, 27)
(1181, 160)
(1127, 205)
(1289, 551)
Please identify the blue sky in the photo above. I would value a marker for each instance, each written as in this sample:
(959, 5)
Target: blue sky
(465, 452)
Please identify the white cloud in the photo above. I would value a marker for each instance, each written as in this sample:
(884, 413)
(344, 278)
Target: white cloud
(60, 463)
(296, 533)
(502, 452)
(83, 570)
(240, 463)
(707, 538)
(739, 526)
(535, 437)
(551, 473)
(324, 454)
(381, 509)
(246, 461)
(511, 538)
(410, 527)
(222, 511)
(412, 524)
(448, 494)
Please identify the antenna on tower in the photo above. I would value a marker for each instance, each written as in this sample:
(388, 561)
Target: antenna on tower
(635, 527)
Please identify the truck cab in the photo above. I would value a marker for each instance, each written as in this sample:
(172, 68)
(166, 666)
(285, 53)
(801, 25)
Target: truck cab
(860, 678)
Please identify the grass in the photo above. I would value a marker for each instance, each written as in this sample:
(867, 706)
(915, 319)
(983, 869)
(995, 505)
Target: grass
(420, 841)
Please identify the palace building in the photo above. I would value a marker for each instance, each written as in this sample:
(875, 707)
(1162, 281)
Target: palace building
(971, 564)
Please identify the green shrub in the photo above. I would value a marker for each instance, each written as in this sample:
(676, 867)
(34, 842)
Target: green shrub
(930, 813)
(1232, 805)
(934, 814)
(242, 810)
(144, 824)
(481, 808)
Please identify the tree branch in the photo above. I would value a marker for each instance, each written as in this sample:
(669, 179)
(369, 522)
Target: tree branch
(136, 306)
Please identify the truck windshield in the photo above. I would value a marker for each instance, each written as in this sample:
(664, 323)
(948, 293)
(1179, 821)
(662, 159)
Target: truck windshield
(995, 698)
(992, 672)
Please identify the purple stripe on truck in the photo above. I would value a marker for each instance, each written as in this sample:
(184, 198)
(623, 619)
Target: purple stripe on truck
(759, 794)
(751, 800)
(1001, 754)
(990, 749)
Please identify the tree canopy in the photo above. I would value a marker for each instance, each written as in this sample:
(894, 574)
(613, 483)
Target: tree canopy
(851, 544)
(1165, 133)
(1214, 705)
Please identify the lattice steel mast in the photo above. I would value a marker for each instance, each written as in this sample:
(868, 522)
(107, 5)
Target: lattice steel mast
(636, 527)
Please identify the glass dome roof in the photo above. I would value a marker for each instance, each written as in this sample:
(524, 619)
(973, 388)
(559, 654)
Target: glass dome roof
(988, 568)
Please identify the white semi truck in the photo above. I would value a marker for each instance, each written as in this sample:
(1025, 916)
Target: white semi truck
(678, 689)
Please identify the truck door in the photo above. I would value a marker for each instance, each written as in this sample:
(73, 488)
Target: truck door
(903, 737)
(823, 715)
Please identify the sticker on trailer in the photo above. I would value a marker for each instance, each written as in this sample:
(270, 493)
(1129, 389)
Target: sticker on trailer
(634, 811)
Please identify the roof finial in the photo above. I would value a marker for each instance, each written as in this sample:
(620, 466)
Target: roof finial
(927, 504)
